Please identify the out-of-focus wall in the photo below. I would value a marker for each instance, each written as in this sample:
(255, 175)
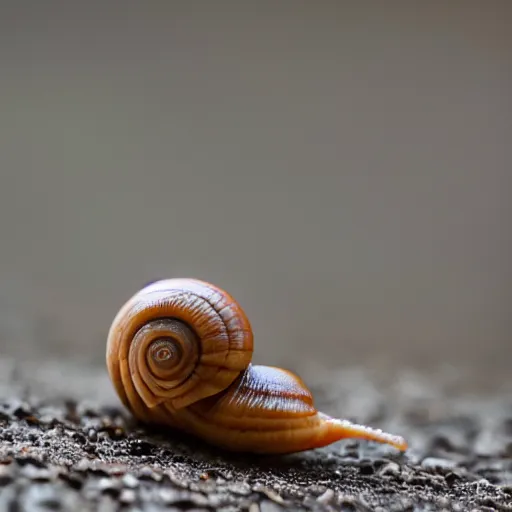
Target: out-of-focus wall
(342, 168)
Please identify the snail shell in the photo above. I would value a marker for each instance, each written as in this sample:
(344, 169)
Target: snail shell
(179, 354)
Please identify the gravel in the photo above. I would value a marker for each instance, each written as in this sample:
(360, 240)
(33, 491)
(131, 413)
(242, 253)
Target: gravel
(62, 452)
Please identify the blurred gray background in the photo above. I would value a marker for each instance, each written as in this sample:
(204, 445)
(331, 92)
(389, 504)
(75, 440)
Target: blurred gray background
(342, 168)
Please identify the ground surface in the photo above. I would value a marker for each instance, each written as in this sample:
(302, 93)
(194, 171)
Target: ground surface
(71, 447)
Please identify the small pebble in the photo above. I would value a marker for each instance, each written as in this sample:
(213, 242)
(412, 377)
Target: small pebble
(270, 506)
(436, 463)
(326, 497)
(130, 481)
(367, 468)
(317, 490)
(240, 488)
(127, 496)
(109, 486)
(147, 473)
(391, 469)
(269, 493)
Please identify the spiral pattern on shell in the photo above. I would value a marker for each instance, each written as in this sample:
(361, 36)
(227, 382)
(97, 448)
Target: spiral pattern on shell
(175, 342)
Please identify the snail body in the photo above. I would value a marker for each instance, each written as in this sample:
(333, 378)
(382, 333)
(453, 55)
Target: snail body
(179, 355)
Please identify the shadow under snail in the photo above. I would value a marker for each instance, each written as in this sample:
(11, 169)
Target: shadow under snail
(179, 355)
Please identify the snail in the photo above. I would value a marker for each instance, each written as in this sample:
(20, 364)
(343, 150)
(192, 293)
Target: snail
(179, 355)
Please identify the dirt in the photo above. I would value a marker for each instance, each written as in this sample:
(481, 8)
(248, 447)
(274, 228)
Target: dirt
(75, 448)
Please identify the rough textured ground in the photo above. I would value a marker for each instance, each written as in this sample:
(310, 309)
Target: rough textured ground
(73, 448)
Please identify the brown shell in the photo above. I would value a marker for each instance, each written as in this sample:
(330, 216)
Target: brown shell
(218, 347)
